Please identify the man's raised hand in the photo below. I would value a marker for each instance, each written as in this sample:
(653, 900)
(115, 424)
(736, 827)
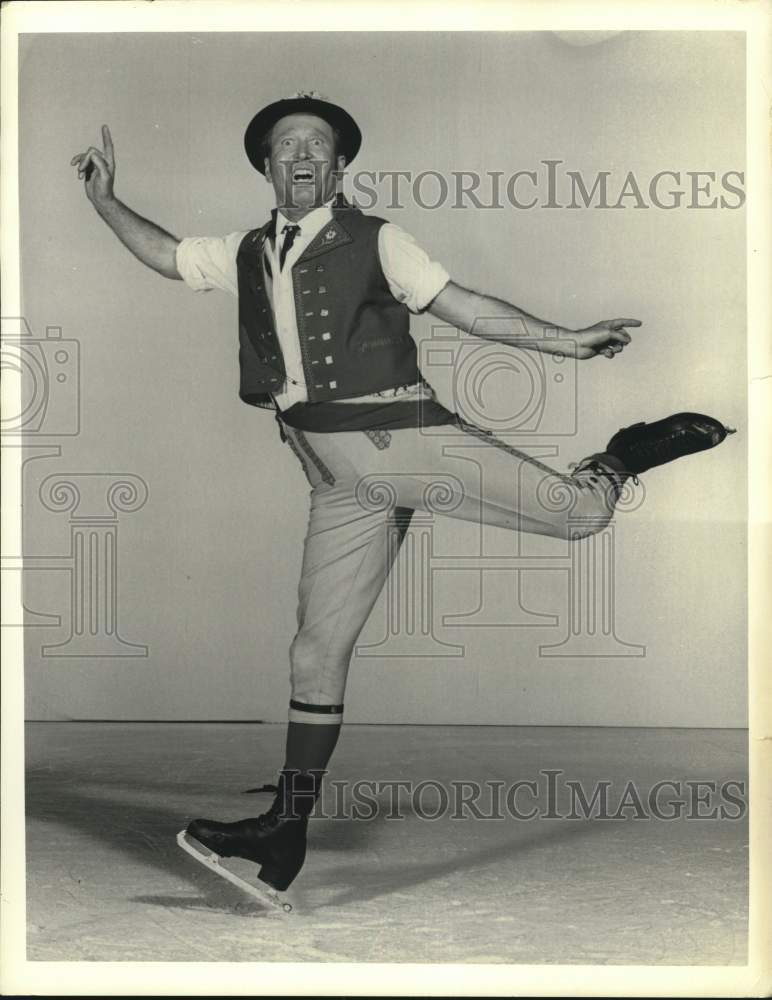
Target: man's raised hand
(609, 338)
(149, 243)
(97, 168)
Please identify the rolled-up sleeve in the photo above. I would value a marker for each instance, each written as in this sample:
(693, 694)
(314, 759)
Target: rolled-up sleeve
(413, 277)
(207, 262)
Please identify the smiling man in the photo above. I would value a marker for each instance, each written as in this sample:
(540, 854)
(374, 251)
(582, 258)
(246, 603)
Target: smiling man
(300, 159)
(325, 293)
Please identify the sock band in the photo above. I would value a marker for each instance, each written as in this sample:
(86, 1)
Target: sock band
(315, 715)
(302, 706)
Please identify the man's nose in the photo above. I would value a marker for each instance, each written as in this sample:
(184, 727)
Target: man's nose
(302, 150)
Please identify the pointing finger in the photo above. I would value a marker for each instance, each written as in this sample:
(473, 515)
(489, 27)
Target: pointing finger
(615, 324)
(107, 142)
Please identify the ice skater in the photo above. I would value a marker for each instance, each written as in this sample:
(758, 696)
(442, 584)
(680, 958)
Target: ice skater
(325, 294)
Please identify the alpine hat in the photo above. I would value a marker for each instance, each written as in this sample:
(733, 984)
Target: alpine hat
(304, 102)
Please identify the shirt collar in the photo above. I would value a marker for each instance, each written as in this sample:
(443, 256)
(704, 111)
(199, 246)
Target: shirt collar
(310, 224)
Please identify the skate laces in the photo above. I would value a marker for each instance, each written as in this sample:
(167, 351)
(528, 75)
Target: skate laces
(270, 818)
(282, 807)
(595, 468)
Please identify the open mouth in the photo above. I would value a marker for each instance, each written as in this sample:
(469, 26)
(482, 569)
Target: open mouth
(303, 175)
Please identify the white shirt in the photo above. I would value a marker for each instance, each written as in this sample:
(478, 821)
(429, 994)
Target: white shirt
(207, 262)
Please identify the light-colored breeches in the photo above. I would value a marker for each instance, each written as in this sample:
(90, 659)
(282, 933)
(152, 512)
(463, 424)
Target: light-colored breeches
(365, 486)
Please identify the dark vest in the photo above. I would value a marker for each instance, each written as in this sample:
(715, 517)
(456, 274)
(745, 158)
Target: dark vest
(354, 335)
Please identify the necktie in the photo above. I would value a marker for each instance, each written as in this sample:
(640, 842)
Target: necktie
(290, 232)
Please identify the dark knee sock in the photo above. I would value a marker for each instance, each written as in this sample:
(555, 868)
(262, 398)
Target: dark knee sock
(309, 746)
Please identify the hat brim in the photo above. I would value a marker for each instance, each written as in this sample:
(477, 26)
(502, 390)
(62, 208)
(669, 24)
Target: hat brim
(336, 117)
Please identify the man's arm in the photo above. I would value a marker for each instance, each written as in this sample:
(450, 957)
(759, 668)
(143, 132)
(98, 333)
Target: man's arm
(148, 242)
(492, 319)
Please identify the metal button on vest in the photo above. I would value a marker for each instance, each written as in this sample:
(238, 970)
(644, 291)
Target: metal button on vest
(384, 325)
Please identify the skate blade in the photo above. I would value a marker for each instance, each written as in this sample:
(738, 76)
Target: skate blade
(212, 861)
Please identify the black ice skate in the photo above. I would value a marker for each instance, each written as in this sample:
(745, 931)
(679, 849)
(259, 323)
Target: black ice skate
(643, 446)
(276, 840)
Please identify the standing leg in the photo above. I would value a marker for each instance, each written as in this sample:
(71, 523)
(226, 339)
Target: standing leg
(347, 556)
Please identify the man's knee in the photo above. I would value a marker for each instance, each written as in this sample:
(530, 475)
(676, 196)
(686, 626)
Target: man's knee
(586, 525)
(314, 658)
(306, 651)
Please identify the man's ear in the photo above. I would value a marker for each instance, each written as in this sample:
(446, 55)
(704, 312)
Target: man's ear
(340, 170)
(267, 163)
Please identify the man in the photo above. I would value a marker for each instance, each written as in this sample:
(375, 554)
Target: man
(325, 294)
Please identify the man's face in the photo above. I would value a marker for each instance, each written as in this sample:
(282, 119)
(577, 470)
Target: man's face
(302, 162)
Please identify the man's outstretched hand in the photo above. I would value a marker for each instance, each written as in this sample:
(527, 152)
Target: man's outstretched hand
(97, 168)
(609, 337)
